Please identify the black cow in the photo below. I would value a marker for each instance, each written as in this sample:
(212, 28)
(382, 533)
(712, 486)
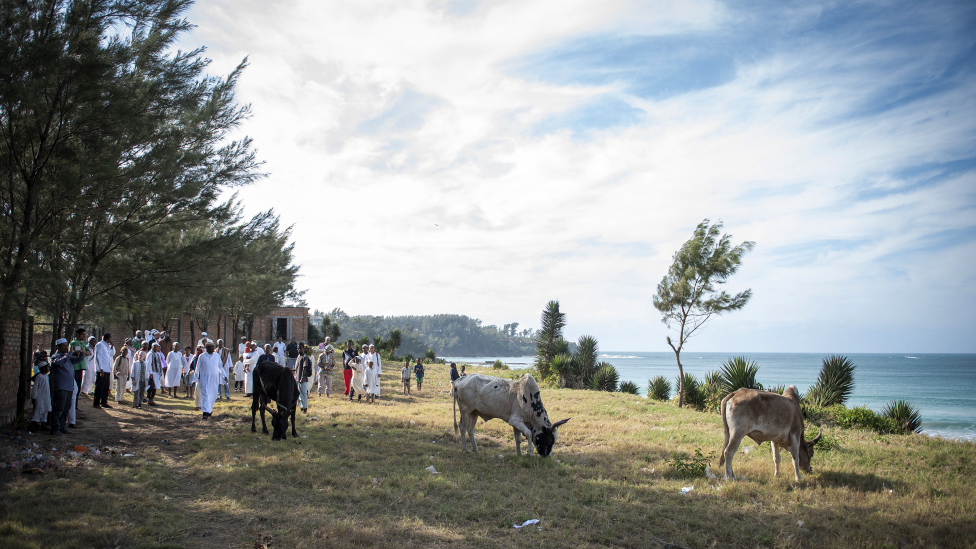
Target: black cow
(277, 383)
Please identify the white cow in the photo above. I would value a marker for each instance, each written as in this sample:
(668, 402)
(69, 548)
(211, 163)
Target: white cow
(516, 402)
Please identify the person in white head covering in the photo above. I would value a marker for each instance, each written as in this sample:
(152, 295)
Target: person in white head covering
(88, 381)
(210, 374)
(42, 393)
(203, 340)
(374, 367)
(226, 364)
(174, 370)
(356, 384)
(121, 370)
(250, 362)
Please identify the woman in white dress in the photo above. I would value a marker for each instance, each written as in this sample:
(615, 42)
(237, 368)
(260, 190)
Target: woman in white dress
(371, 373)
(250, 362)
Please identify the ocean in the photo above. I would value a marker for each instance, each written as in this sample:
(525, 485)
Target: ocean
(941, 386)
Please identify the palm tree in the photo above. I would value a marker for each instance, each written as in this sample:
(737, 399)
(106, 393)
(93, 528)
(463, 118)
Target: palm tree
(553, 322)
(835, 382)
(395, 341)
(583, 363)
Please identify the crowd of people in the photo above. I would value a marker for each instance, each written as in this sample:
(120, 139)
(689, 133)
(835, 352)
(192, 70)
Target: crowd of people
(150, 365)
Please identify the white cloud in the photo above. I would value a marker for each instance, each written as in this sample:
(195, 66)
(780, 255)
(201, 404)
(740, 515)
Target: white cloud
(378, 121)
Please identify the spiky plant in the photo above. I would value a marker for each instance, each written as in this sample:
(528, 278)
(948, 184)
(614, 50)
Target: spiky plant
(659, 388)
(739, 372)
(693, 395)
(629, 387)
(834, 384)
(905, 414)
(561, 368)
(551, 331)
(713, 379)
(605, 378)
(584, 363)
(778, 389)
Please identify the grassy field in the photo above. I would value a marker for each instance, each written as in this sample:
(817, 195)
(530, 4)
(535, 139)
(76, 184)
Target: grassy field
(357, 476)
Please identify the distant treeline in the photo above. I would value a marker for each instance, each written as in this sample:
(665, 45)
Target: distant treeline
(448, 335)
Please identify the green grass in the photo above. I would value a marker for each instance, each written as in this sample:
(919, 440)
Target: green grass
(359, 478)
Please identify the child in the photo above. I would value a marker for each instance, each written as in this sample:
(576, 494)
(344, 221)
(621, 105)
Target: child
(326, 365)
(418, 370)
(239, 374)
(42, 394)
(405, 377)
(357, 377)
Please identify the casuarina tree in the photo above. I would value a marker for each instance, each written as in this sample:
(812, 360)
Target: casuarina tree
(688, 296)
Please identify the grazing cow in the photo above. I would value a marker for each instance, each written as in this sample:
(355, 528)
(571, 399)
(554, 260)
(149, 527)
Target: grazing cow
(516, 402)
(277, 383)
(762, 416)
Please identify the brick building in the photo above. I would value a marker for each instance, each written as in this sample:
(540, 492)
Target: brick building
(15, 350)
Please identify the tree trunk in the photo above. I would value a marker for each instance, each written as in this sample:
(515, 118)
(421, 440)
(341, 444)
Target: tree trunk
(26, 369)
(681, 379)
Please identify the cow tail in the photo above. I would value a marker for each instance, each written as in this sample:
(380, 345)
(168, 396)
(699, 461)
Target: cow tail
(725, 429)
(454, 407)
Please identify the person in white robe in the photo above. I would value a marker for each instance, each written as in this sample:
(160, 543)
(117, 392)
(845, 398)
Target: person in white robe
(120, 371)
(174, 370)
(239, 374)
(210, 374)
(88, 382)
(373, 383)
(140, 376)
(186, 380)
(279, 349)
(72, 412)
(356, 365)
(157, 362)
(251, 362)
(41, 392)
(226, 364)
(132, 357)
(203, 340)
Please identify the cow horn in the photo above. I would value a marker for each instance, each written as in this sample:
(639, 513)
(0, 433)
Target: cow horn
(558, 423)
(819, 434)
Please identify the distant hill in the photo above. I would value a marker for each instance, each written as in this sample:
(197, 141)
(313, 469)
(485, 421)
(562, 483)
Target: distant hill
(448, 335)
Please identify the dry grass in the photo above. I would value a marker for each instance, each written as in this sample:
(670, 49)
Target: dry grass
(357, 476)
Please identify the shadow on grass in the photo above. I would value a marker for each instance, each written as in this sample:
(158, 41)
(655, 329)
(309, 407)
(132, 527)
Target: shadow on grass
(858, 481)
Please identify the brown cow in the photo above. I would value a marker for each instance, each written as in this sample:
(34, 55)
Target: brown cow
(762, 416)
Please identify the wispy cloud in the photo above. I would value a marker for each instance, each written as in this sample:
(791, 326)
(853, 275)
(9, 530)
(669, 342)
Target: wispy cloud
(484, 157)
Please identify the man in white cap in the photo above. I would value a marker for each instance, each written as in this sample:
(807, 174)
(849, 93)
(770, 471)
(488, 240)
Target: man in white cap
(203, 340)
(62, 386)
(211, 374)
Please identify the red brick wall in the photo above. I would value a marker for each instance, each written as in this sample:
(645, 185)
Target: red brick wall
(10, 371)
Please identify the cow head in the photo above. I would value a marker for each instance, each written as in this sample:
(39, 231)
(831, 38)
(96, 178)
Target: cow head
(279, 423)
(546, 437)
(806, 451)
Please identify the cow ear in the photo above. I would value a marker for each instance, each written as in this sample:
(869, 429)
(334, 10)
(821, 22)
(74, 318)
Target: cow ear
(560, 422)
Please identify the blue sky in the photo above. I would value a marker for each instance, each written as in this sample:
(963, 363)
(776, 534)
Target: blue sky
(484, 157)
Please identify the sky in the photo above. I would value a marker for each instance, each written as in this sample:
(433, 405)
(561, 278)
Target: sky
(483, 158)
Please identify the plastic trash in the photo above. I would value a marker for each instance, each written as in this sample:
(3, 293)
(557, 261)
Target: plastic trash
(799, 523)
(687, 489)
(708, 473)
(431, 470)
(529, 522)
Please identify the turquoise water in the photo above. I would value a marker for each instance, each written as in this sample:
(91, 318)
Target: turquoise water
(942, 386)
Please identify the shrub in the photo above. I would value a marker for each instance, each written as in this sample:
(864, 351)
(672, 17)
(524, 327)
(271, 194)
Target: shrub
(778, 389)
(904, 414)
(712, 390)
(629, 387)
(835, 382)
(499, 365)
(693, 395)
(685, 466)
(739, 372)
(862, 417)
(605, 378)
(659, 388)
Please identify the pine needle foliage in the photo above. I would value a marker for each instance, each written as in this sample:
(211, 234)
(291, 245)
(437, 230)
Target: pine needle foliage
(835, 383)
(605, 378)
(688, 295)
(905, 414)
(659, 388)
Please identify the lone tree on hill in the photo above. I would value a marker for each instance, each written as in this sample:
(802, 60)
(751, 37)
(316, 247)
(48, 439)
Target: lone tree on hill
(687, 296)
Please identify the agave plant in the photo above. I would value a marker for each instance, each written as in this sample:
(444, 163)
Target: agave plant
(605, 378)
(629, 387)
(778, 389)
(835, 382)
(561, 367)
(713, 380)
(905, 414)
(739, 372)
(659, 388)
(693, 395)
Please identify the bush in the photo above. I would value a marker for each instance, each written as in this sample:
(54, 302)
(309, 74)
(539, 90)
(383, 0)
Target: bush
(835, 382)
(499, 365)
(693, 395)
(904, 414)
(739, 372)
(684, 466)
(778, 389)
(605, 378)
(712, 390)
(659, 388)
(862, 417)
(629, 387)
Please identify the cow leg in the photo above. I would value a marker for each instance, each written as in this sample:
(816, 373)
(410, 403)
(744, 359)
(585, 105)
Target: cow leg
(472, 420)
(521, 428)
(293, 410)
(795, 454)
(729, 451)
(254, 411)
(775, 459)
(264, 425)
(518, 441)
